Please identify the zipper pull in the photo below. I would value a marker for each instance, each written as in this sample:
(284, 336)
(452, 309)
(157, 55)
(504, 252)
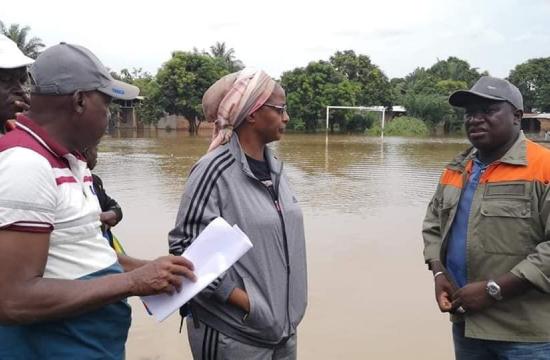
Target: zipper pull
(277, 206)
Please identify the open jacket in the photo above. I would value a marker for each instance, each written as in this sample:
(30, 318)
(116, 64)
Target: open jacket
(273, 272)
(508, 231)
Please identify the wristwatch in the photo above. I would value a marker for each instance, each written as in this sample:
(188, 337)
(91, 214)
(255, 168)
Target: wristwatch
(493, 289)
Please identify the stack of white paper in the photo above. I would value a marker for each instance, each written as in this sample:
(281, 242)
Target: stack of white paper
(216, 248)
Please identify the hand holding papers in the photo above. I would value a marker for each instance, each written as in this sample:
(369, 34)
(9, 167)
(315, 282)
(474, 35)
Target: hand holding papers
(216, 248)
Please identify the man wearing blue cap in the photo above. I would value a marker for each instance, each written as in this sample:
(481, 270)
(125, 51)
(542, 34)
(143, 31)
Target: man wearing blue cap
(62, 290)
(487, 232)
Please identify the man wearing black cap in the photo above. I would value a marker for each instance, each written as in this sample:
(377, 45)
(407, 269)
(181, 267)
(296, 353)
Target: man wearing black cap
(487, 231)
(62, 290)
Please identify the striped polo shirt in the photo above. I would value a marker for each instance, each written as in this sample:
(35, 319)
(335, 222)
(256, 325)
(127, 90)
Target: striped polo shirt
(46, 189)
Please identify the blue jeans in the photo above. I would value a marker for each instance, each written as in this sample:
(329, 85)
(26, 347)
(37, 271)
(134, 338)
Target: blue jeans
(477, 349)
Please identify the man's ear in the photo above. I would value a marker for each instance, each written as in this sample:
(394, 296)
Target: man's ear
(518, 115)
(79, 102)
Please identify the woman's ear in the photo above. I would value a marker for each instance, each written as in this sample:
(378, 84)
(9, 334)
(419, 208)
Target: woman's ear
(251, 118)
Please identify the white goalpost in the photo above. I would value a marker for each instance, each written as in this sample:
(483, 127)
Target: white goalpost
(381, 109)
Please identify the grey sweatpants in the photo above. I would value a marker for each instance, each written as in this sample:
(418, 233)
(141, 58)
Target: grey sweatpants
(209, 344)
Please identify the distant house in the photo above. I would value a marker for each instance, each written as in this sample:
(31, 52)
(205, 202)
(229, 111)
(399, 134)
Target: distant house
(127, 118)
(535, 123)
(178, 122)
(395, 111)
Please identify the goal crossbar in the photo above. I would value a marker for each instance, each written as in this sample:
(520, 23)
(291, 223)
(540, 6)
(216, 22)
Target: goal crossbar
(381, 109)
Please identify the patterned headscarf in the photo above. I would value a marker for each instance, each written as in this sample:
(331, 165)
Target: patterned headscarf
(232, 98)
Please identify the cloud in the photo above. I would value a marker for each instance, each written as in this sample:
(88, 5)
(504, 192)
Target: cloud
(221, 26)
(378, 34)
(398, 35)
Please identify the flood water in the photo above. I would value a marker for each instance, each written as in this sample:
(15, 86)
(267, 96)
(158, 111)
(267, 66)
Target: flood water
(370, 295)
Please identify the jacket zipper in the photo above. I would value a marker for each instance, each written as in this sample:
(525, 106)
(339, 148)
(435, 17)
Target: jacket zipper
(274, 198)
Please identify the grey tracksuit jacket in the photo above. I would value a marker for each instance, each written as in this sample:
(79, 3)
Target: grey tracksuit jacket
(273, 272)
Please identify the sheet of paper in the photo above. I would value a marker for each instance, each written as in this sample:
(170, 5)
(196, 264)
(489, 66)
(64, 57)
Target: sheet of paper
(216, 248)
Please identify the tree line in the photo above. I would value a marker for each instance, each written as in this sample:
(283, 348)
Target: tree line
(345, 79)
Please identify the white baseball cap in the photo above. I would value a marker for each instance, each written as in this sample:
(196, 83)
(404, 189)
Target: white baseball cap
(10, 55)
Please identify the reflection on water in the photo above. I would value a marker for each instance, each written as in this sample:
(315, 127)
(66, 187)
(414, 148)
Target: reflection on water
(355, 174)
(363, 201)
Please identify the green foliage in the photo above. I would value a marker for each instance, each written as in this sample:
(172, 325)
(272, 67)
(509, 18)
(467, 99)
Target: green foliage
(420, 81)
(19, 35)
(425, 92)
(442, 78)
(359, 122)
(179, 85)
(429, 107)
(150, 110)
(533, 80)
(402, 126)
(346, 80)
(345, 92)
(308, 90)
(374, 87)
(450, 86)
(296, 124)
(455, 69)
(226, 56)
(183, 80)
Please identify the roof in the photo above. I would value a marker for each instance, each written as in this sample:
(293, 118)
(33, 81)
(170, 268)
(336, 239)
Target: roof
(536, 116)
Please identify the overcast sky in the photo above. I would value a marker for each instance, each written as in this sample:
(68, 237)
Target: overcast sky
(398, 35)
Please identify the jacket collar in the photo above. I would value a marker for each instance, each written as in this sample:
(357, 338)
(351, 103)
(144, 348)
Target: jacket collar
(516, 155)
(236, 149)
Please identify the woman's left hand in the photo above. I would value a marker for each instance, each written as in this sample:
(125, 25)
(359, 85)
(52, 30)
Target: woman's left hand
(239, 298)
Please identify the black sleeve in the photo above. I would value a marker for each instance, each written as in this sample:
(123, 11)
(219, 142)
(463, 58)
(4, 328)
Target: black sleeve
(106, 202)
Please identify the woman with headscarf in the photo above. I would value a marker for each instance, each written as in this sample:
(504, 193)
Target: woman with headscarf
(252, 311)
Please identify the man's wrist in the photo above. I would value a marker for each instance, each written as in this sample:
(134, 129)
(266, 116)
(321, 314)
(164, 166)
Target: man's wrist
(435, 266)
(493, 290)
(129, 284)
(512, 286)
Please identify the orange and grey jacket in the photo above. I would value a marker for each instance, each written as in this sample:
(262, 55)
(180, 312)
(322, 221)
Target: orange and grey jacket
(508, 231)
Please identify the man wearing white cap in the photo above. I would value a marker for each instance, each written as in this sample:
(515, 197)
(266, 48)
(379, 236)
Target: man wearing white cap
(13, 76)
(62, 290)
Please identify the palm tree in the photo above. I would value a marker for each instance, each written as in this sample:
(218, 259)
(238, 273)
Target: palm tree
(219, 50)
(227, 56)
(19, 35)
